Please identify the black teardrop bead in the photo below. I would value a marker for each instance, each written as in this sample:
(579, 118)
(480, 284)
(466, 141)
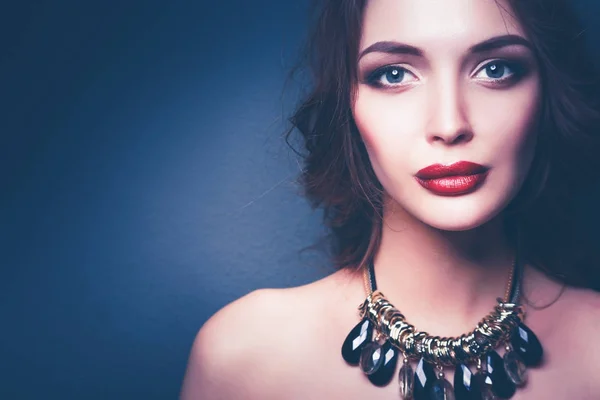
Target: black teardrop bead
(384, 373)
(463, 383)
(527, 345)
(424, 377)
(358, 337)
(502, 386)
(441, 389)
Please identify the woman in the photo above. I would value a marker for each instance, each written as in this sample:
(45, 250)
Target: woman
(446, 142)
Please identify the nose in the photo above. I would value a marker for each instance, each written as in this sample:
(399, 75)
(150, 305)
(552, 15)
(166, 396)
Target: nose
(448, 122)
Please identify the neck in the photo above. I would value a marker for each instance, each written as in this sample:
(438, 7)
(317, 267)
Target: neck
(452, 278)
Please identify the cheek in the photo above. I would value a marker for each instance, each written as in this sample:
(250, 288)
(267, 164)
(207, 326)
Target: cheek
(385, 126)
(507, 122)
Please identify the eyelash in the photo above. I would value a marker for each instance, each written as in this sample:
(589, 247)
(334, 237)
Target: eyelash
(518, 71)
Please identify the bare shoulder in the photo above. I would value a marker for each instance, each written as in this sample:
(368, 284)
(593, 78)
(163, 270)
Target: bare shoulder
(584, 306)
(566, 319)
(229, 349)
(253, 342)
(577, 324)
(581, 307)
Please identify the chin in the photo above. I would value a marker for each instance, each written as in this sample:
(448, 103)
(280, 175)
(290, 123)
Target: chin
(458, 223)
(461, 213)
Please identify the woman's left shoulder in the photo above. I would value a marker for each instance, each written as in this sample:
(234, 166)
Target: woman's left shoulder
(566, 310)
(566, 320)
(583, 305)
(579, 317)
(570, 328)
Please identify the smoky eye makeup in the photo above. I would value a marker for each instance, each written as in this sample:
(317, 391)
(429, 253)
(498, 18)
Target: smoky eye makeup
(386, 71)
(493, 71)
(393, 74)
(502, 72)
(376, 65)
(503, 67)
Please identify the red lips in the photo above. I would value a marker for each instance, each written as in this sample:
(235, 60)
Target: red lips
(450, 180)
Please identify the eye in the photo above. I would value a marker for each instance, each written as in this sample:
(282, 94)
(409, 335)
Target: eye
(390, 76)
(499, 71)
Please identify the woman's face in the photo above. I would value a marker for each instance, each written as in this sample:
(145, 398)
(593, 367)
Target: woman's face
(442, 83)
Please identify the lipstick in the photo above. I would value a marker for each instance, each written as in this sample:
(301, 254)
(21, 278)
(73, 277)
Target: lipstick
(451, 180)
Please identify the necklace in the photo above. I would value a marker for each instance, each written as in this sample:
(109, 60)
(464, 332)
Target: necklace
(383, 334)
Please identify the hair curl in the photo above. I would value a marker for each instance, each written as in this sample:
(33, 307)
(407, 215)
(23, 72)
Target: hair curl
(338, 176)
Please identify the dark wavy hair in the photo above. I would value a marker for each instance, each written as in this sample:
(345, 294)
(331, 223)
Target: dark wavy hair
(338, 177)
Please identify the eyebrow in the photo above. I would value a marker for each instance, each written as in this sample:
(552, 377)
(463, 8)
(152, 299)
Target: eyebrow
(496, 42)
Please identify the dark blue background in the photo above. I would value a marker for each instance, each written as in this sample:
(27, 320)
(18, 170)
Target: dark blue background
(145, 184)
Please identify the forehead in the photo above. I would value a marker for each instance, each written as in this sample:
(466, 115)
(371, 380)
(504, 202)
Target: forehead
(437, 24)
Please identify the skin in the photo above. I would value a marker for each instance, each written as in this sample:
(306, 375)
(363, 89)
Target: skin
(443, 260)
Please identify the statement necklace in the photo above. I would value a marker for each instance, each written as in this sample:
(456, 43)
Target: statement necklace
(383, 334)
